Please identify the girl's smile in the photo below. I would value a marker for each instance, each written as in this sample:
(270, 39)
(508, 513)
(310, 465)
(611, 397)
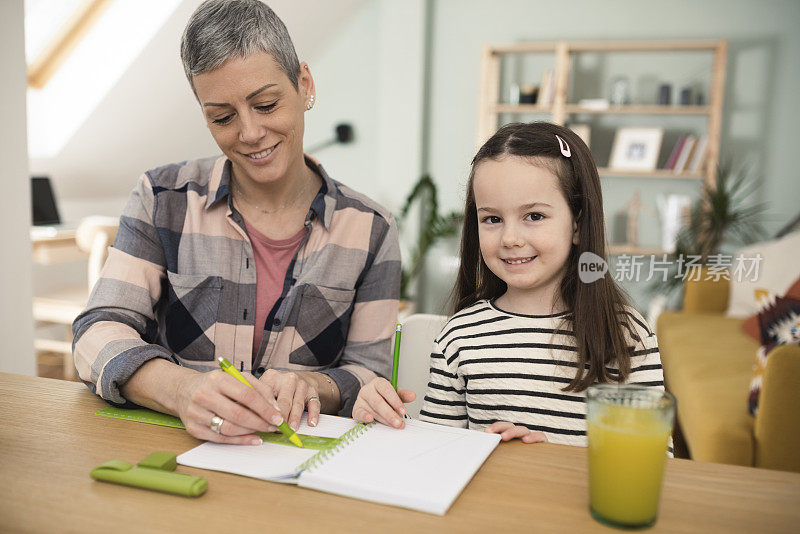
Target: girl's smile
(518, 261)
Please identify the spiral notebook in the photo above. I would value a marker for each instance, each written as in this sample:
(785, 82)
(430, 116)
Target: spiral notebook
(422, 467)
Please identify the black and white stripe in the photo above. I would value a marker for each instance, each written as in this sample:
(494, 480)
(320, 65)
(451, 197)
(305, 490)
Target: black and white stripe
(491, 366)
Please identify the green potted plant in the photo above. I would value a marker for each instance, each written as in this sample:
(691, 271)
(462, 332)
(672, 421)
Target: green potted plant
(724, 213)
(433, 227)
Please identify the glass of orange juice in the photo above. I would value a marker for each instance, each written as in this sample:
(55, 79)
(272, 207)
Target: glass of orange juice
(628, 429)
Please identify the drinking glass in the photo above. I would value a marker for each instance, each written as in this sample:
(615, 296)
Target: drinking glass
(628, 429)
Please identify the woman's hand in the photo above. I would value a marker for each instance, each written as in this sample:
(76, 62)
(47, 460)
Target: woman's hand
(244, 410)
(509, 431)
(294, 393)
(378, 400)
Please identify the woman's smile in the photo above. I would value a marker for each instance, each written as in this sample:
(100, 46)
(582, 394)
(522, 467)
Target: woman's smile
(263, 157)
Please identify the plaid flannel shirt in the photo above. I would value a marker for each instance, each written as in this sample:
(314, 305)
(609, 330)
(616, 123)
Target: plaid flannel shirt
(180, 284)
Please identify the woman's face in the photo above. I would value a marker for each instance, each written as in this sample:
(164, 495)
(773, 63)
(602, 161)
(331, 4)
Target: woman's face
(255, 115)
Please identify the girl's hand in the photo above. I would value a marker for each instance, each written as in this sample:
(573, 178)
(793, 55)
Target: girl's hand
(294, 393)
(378, 400)
(244, 410)
(509, 431)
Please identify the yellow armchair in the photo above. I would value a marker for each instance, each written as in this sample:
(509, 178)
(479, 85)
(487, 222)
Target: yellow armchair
(708, 364)
(777, 424)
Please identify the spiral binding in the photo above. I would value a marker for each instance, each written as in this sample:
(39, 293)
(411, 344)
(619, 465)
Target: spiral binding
(325, 454)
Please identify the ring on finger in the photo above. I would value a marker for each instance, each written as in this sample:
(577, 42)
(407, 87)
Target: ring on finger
(216, 424)
(314, 398)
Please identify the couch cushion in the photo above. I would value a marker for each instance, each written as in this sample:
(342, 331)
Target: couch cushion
(775, 272)
(708, 363)
(705, 293)
(751, 325)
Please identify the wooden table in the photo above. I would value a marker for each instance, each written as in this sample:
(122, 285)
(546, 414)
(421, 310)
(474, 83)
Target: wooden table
(51, 245)
(50, 439)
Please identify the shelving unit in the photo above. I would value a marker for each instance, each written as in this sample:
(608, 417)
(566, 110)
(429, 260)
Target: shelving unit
(490, 106)
(614, 110)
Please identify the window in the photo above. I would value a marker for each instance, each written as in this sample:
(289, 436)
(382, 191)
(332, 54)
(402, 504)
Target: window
(92, 59)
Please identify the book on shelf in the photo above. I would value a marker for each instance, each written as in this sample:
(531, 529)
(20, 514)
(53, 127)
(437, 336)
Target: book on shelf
(699, 155)
(547, 88)
(676, 150)
(685, 154)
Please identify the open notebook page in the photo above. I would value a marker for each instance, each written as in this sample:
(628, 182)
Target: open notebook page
(423, 466)
(268, 461)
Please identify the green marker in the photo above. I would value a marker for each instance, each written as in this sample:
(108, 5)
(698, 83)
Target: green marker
(285, 429)
(397, 331)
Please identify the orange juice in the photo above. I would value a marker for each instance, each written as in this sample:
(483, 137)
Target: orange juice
(627, 452)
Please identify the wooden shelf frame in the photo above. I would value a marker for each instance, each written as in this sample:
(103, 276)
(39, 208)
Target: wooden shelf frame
(608, 46)
(575, 109)
(631, 250)
(658, 173)
(490, 108)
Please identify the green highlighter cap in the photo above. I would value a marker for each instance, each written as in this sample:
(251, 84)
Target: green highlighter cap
(154, 473)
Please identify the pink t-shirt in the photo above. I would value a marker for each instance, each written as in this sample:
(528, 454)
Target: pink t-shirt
(272, 257)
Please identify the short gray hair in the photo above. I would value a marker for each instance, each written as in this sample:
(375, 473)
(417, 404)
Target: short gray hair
(222, 29)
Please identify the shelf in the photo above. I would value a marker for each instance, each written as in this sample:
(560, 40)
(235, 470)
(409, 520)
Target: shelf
(611, 110)
(632, 250)
(709, 45)
(522, 108)
(642, 110)
(658, 173)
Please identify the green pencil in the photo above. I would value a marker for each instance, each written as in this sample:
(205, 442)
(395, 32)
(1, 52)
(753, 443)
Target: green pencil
(397, 331)
(285, 429)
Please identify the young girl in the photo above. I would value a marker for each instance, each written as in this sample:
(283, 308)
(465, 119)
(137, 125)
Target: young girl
(528, 336)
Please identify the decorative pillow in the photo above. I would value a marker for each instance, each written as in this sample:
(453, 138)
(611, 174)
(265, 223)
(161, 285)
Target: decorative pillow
(779, 325)
(777, 269)
(766, 300)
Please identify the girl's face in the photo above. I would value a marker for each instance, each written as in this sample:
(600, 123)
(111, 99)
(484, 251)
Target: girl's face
(525, 228)
(255, 115)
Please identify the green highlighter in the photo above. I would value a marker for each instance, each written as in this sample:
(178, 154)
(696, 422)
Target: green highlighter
(285, 429)
(156, 472)
(398, 331)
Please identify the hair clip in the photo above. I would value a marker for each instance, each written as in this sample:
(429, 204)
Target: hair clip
(565, 151)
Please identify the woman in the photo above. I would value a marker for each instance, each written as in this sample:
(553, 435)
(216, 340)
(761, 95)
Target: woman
(257, 256)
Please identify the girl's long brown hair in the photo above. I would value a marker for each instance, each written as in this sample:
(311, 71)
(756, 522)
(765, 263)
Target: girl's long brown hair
(598, 307)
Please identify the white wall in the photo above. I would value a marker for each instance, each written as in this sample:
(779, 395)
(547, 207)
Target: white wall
(371, 75)
(16, 322)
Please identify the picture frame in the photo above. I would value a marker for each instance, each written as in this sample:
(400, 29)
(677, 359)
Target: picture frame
(636, 149)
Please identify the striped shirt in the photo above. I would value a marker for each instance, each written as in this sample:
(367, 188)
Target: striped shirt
(180, 284)
(489, 365)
